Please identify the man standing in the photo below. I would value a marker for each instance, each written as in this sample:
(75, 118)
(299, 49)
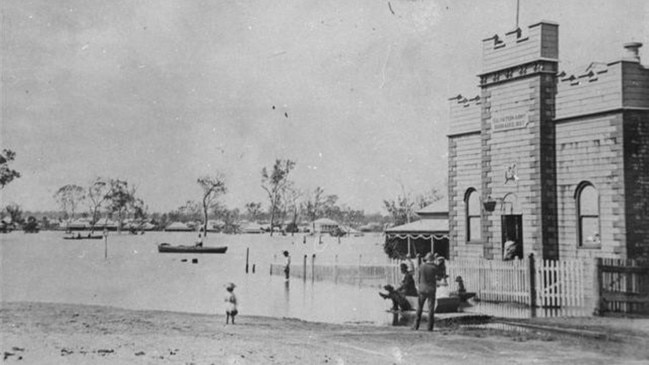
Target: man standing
(427, 288)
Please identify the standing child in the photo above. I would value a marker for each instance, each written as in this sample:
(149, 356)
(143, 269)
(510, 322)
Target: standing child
(287, 266)
(230, 303)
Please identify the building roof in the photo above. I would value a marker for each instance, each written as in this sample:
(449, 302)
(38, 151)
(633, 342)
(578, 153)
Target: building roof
(326, 222)
(422, 226)
(440, 206)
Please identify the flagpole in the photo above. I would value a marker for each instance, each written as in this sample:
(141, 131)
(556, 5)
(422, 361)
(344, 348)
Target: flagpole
(518, 3)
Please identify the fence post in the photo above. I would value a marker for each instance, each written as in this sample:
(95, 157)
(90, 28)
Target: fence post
(360, 257)
(313, 268)
(600, 284)
(532, 285)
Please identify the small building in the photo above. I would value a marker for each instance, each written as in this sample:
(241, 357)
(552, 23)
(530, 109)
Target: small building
(324, 225)
(429, 234)
(555, 161)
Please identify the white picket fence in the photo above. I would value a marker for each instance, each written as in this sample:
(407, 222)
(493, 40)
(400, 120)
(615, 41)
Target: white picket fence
(533, 282)
(543, 283)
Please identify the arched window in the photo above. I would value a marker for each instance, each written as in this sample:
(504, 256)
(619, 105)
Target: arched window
(587, 199)
(472, 204)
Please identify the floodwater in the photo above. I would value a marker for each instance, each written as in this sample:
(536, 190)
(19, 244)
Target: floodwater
(127, 271)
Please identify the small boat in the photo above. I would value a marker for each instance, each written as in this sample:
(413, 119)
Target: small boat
(168, 248)
(79, 236)
(466, 296)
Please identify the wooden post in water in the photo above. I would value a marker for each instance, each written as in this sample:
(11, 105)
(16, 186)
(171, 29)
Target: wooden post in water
(336, 269)
(247, 255)
(532, 285)
(105, 243)
(304, 269)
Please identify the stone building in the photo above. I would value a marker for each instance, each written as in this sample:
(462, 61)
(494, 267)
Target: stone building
(555, 162)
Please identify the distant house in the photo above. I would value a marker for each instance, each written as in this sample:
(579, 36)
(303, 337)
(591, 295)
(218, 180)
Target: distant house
(105, 223)
(77, 225)
(429, 234)
(324, 225)
(178, 227)
(250, 227)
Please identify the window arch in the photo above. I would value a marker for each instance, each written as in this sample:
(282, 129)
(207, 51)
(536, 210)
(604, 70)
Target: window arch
(587, 203)
(472, 213)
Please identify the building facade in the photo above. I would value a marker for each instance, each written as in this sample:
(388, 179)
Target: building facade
(555, 163)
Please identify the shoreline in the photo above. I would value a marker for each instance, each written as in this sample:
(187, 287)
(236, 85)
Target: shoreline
(38, 333)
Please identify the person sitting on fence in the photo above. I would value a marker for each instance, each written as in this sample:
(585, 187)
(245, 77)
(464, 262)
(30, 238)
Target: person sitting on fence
(398, 295)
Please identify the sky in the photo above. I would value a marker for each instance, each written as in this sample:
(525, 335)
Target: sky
(161, 92)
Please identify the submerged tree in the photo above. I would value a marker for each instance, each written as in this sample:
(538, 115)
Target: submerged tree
(7, 174)
(213, 187)
(313, 204)
(275, 183)
(69, 197)
(96, 198)
(120, 199)
(253, 210)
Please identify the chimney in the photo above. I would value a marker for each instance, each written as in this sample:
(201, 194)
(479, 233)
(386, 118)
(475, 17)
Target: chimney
(631, 51)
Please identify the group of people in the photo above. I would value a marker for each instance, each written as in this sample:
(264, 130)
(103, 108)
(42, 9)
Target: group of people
(424, 287)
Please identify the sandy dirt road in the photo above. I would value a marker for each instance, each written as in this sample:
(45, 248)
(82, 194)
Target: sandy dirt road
(40, 333)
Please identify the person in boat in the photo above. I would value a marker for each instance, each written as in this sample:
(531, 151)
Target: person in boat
(461, 290)
(287, 266)
(427, 276)
(398, 295)
(230, 303)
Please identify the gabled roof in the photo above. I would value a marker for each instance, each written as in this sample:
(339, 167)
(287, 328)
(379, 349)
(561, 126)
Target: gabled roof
(440, 206)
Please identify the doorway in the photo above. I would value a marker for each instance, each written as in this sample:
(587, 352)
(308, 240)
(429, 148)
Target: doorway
(512, 236)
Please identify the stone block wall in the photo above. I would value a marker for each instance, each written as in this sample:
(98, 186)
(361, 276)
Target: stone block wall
(590, 149)
(463, 174)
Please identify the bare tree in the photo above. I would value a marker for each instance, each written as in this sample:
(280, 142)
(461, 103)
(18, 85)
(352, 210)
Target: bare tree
(213, 187)
(69, 197)
(292, 205)
(275, 183)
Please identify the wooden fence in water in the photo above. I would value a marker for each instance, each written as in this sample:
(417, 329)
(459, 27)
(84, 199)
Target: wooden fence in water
(623, 285)
(533, 282)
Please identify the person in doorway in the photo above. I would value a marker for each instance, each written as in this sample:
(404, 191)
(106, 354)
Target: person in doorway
(427, 276)
(510, 250)
(230, 303)
(287, 266)
(398, 295)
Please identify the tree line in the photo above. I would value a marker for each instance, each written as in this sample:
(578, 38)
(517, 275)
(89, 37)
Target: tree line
(287, 205)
